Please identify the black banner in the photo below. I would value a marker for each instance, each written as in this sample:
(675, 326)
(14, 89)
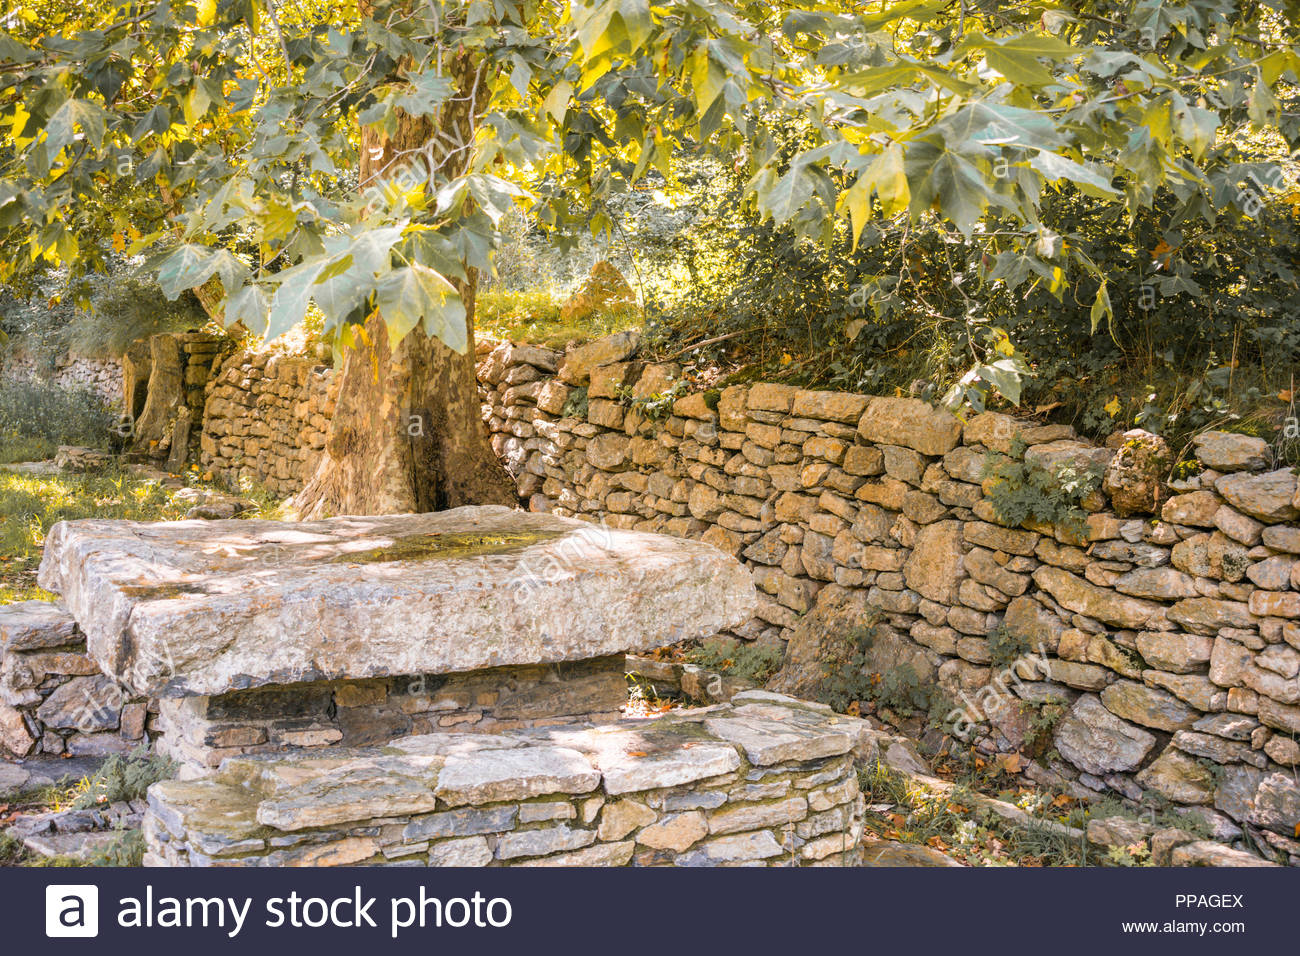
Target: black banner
(630, 911)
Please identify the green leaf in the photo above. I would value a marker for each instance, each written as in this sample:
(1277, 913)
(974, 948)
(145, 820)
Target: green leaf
(1090, 178)
(157, 120)
(494, 195)
(707, 79)
(888, 178)
(948, 183)
(289, 304)
(1263, 107)
(857, 200)
(346, 280)
(413, 294)
(996, 124)
(557, 101)
(1018, 58)
(636, 20)
(428, 92)
(188, 266)
(1197, 127)
(60, 130)
(1006, 375)
(248, 306)
(787, 195)
(277, 221)
(1101, 308)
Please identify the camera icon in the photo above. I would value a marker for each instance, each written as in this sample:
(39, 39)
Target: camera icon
(71, 910)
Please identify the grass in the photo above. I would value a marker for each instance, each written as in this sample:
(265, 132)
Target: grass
(121, 778)
(954, 823)
(26, 448)
(31, 504)
(37, 417)
(534, 317)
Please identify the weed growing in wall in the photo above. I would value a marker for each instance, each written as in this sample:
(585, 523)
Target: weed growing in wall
(1006, 647)
(575, 406)
(752, 662)
(846, 676)
(655, 407)
(1021, 491)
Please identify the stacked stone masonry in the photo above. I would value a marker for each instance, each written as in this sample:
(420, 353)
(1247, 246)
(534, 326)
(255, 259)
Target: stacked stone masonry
(766, 781)
(202, 353)
(265, 418)
(101, 376)
(200, 732)
(53, 698)
(1170, 623)
(1173, 637)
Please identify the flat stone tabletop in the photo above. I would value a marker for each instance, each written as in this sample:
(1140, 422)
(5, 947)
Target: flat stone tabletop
(191, 608)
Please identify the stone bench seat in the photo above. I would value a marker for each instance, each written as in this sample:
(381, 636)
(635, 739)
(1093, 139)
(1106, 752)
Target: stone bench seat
(767, 780)
(199, 608)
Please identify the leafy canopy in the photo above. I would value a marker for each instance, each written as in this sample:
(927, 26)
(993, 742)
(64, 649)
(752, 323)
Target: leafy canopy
(232, 129)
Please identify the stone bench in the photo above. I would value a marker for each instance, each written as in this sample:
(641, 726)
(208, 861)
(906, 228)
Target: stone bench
(764, 781)
(263, 635)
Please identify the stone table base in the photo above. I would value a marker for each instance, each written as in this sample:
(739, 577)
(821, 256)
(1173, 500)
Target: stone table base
(764, 781)
(200, 732)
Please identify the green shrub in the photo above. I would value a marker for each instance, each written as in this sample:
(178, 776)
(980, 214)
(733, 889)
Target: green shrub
(1023, 491)
(534, 317)
(124, 778)
(37, 417)
(96, 315)
(1042, 728)
(129, 308)
(749, 661)
(127, 849)
(575, 406)
(1005, 647)
(846, 675)
(655, 407)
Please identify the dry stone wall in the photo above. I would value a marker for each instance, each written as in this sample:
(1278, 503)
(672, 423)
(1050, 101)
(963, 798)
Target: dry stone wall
(1169, 637)
(1168, 624)
(765, 781)
(265, 417)
(53, 698)
(101, 376)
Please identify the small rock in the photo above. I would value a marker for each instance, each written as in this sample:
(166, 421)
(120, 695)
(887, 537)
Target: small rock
(1225, 451)
(1095, 740)
(904, 854)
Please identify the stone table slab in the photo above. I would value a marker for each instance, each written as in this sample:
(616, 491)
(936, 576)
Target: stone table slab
(192, 608)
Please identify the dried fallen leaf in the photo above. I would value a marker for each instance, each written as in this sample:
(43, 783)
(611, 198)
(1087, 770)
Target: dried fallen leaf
(1011, 763)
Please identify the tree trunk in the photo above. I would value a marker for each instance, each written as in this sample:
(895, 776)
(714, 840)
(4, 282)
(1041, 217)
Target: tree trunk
(165, 396)
(407, 433)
